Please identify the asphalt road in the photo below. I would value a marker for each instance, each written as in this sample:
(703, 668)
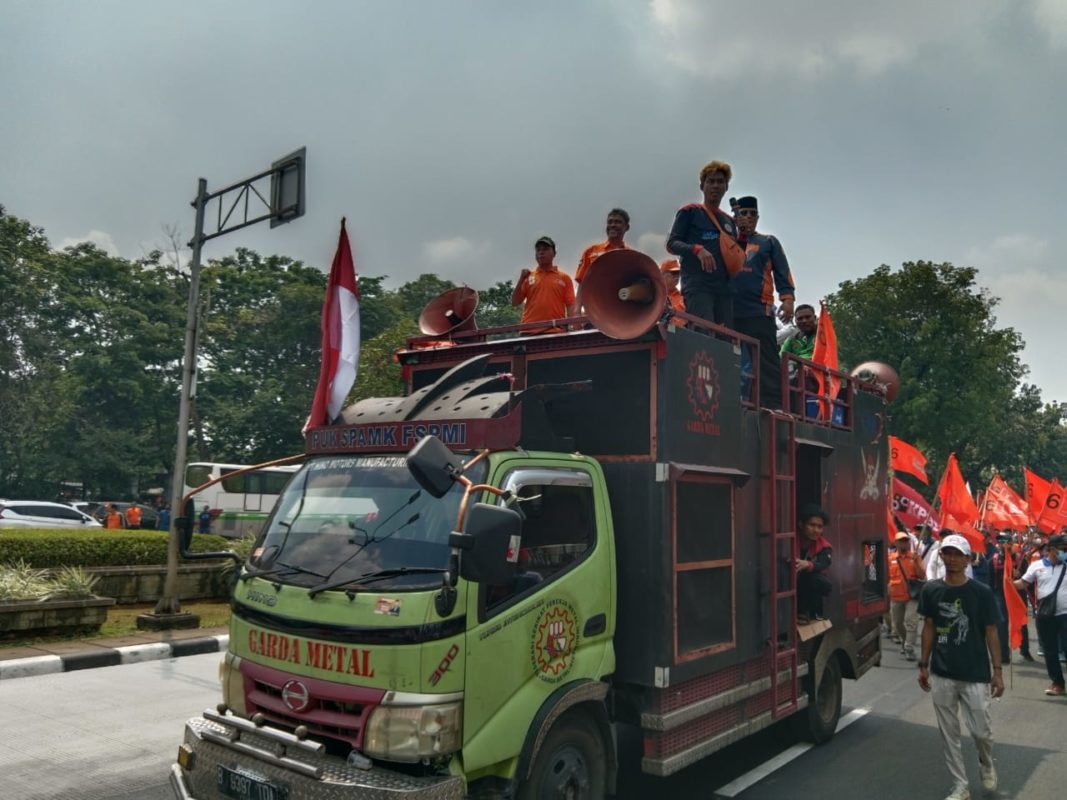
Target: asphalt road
(111, 734)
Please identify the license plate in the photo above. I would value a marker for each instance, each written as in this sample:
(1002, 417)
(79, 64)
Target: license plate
(242, 786)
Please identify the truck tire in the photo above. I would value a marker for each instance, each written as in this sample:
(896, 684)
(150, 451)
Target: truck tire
(818, 721)
(570, 764)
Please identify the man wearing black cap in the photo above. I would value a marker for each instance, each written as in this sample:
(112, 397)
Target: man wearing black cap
(766, 270)
(547, 291)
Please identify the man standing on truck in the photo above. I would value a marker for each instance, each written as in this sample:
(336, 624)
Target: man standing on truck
(959, 641)
(705, 239)
(547, 291)
(617, 225)
(765, 271)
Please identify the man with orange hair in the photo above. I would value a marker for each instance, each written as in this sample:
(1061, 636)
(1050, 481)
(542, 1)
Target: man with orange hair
(705, 239)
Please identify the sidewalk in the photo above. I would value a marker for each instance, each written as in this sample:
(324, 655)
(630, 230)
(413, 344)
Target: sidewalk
(67, 656)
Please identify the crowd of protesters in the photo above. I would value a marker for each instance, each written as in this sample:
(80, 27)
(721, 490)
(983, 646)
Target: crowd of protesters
(728, 270)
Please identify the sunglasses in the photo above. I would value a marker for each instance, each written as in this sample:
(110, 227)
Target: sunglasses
(747, 212)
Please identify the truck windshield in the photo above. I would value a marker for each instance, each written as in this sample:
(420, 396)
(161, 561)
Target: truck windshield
(356, 516)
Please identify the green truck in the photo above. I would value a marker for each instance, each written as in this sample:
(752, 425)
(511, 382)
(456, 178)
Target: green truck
(465, 591)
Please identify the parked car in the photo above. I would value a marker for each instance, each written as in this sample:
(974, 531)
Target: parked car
(42, 514)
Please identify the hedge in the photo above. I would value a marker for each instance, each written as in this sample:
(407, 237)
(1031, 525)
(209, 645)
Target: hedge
(101, 547)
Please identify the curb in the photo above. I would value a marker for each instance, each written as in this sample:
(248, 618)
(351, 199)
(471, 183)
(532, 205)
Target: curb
(109, 657)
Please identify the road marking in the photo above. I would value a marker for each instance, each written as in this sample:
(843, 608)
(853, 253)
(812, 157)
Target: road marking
(756, 774)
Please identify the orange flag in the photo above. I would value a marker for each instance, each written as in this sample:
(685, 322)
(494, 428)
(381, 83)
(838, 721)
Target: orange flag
(954, 497)
(964, 529)
(1003, 506)
(907, 458)
(1054, 515)
(1036, 491)
(825, 353)
(1015, 604)
(890, 524)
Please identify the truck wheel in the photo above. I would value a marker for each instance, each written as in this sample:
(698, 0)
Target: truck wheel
(818, 721)
(570, 764)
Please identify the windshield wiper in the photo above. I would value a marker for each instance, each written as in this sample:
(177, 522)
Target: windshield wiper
(282, 567)
(322, 587)
(377, 575)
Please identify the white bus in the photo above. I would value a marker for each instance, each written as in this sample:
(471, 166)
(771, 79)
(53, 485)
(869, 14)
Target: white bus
(243, 502)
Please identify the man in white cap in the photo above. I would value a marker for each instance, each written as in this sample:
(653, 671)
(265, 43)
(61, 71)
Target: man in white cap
(959, 643)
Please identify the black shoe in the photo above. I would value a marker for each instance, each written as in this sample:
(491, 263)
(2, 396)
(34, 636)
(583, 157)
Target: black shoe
(1026, 655)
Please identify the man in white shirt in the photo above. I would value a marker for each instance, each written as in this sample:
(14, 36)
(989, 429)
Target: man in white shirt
(1048, 575)
(934, 566)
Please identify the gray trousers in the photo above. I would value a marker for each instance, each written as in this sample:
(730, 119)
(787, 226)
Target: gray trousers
(905, 616)
(949, 697)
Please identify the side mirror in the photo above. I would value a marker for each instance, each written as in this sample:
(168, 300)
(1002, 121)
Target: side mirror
(433, 466)
(490, 544)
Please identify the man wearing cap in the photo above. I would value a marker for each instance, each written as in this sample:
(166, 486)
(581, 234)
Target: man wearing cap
(671, 270)
(765, 271)
(617, 224)
(959, 643)
(705, 239)
(1047, 575)
(904, 566)
(547, 291)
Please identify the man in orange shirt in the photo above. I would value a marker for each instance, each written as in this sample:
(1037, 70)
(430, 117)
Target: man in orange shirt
(547, 291)
(133, 516)
(904, 565)
(617, 225)
(671, 270)
(112, 519)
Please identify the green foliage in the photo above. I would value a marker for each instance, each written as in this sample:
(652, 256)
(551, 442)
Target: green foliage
(960, 373)
(20, 581)
(71, 583)
(55, 548)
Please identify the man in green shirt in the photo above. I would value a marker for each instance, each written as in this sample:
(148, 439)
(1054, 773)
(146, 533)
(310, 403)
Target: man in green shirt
(802, 343)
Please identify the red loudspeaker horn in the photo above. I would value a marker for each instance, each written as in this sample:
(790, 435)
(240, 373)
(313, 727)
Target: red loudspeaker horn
(450, 312)
(623, 293)
(881, 375)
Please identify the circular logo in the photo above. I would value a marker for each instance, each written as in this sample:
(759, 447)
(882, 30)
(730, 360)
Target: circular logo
(703, 384)
(296, 696)
(555, 639)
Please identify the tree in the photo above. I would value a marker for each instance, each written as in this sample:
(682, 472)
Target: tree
(959, 372)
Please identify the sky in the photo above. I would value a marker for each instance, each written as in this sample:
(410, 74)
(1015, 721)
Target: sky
(453, 134)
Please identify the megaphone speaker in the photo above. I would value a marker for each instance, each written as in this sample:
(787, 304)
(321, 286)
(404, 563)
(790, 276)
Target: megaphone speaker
(623, 293)
(449, 312)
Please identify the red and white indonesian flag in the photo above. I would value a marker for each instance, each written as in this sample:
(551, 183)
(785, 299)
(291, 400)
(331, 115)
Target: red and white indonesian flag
(340, 337)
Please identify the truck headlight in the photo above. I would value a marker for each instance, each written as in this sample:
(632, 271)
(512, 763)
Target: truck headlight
(411, 733)
(233, 684)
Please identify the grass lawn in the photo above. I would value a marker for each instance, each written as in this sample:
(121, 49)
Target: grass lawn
(122, 621)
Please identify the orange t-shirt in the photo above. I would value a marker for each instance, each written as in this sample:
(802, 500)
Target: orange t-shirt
(547, 294)
(678, 304)
(592, 253)
(133, 516)
(898, 587)
(113, 520)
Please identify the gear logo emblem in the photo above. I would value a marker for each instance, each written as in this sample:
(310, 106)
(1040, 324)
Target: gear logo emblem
(703, 384)
(554, 642)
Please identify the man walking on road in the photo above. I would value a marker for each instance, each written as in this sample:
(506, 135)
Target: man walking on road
(959, 641)
(1048, 575)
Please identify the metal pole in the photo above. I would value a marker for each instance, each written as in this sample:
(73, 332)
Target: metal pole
(168, 601)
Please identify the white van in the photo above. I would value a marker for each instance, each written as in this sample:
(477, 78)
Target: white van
(42, 514)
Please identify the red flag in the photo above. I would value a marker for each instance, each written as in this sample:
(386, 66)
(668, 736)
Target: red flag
(1003, 507)
(890, 525)
(825, 353)
(954, 497)
(340, 337)
(907, 458)
(1036, 491)
(1015, 604)
(1054, 515)
(911, 508)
